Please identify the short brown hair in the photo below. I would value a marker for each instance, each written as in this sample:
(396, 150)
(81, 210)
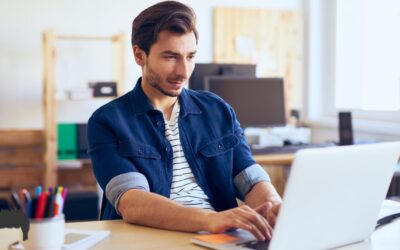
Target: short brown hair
(169, 15)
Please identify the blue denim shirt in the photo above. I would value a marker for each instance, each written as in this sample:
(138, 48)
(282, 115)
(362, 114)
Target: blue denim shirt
(128, 148)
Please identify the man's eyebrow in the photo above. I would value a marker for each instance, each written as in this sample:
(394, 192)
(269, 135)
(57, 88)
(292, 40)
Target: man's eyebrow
(170, 52)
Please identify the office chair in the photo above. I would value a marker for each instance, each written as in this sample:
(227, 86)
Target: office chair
(81, 206)
(103, 206)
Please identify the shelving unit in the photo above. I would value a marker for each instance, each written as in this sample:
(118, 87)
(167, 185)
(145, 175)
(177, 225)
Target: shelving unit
(49, 95)
(28, 157)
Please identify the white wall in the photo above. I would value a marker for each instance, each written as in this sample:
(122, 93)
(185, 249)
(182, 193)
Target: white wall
(21, 70)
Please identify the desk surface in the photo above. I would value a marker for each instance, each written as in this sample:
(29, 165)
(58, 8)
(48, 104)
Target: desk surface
(274, 159)
(128, 236)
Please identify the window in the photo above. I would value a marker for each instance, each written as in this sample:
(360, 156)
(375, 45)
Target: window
(367, 55)
(353, 55)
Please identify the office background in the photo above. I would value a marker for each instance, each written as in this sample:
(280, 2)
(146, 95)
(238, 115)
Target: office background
(21, 62)
(21, 67)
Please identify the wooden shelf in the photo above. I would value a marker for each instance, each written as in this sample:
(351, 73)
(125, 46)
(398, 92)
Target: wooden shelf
(50, 102)
(77, 178)
(29, 157)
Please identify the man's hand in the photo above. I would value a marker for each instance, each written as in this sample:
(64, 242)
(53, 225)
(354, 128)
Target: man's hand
(243, 217)
(264, 198)
(269, 210)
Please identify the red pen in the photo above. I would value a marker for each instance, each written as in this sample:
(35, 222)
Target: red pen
(41, 205)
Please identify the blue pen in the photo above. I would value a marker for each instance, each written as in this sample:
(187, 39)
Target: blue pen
(27, 202)
(38, 191)
(28, 209)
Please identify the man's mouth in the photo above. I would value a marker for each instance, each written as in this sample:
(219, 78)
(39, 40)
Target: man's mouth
(176, 83)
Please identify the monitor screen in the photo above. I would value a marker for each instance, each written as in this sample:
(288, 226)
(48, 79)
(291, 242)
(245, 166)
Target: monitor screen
(202, 70)
(258, 102)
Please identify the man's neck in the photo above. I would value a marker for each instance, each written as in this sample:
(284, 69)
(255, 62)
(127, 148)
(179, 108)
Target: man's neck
(165, 105)
(160, 101)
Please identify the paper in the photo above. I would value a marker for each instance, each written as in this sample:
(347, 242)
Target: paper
(83, 239)
(389, 207)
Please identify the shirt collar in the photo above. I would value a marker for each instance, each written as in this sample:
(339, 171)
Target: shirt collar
(174, 114)
(188, 106)
(141, 104)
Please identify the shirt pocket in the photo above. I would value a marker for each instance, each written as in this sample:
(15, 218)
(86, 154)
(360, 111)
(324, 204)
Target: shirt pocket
(219, 146)
(138, 150)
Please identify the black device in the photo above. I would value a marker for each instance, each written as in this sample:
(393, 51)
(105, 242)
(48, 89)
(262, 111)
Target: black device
(295, 114)
(104, 89)
(258, 102)
(201, 70)
(387, 219)
(345, 129)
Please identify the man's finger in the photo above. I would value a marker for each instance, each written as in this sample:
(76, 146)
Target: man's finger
(275, 208)
(262, 209)
(258, 222)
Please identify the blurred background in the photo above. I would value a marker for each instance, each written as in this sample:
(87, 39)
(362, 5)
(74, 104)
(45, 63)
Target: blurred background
(60, 60)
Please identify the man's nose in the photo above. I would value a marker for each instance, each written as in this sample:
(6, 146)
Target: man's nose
(183, 69)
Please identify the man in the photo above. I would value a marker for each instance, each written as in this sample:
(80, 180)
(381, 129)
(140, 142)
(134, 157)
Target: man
(172, 158)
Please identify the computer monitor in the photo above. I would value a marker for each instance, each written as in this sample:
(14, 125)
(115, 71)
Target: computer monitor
(258, 102)
(202, 70)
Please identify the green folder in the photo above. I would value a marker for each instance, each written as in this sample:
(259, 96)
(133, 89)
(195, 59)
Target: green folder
(67, 141)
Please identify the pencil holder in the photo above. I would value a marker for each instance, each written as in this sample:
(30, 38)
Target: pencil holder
(46, 234)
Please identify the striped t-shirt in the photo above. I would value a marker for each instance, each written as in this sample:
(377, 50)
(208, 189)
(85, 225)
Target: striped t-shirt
(184, 188)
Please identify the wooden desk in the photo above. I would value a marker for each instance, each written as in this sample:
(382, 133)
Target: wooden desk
(277, 167)
(128, 236)
(274, 159)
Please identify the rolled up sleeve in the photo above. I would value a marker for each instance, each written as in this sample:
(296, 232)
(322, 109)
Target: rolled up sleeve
(250, 176)
(118, 185)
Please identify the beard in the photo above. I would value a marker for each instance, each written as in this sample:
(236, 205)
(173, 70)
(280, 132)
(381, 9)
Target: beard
(155, 81)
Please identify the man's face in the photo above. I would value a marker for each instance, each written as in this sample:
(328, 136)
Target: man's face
(170, 62)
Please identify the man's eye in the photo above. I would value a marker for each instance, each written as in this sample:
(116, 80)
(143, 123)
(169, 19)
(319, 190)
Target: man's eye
(191, 57)
(170, 57)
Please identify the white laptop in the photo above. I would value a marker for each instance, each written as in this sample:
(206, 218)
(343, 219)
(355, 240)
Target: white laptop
(332, 198)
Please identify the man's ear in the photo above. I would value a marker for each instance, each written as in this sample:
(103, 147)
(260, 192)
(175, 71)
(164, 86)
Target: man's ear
(140, 55)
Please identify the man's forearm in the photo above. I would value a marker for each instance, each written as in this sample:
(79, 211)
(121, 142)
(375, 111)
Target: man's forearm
(148, 209)
(261, 193)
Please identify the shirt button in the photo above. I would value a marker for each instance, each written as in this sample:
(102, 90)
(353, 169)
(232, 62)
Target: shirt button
(220, 146)
(159, 123)
(167, 149)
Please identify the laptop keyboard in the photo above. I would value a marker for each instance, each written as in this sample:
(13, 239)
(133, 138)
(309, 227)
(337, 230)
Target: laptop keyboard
(288, 149)
(258, 245)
